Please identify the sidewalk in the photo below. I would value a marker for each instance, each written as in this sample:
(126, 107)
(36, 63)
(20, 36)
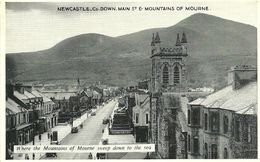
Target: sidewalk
(63, 131)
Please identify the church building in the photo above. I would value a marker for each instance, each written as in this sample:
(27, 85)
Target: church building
(169, 98)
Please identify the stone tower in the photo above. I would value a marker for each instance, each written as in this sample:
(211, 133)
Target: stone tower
(168, 82)
(168, 65)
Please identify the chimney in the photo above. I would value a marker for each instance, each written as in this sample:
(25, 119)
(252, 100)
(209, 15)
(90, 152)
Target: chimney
(241, 75)
(19, 87)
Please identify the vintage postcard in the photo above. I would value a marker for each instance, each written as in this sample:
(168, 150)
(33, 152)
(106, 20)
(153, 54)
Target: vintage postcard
(130, 80)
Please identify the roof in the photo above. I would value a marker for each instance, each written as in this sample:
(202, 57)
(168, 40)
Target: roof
(243, 100)
(20, 96)
(59, 95)
(28, 94)
(170, 100)
(45, 98)
(12, 107)
(197, 101)
(36, 93)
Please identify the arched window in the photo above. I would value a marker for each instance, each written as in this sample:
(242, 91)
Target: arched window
(225, 153)
(176, 75)
(165, 75)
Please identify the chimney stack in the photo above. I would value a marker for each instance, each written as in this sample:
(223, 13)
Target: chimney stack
(241, 75)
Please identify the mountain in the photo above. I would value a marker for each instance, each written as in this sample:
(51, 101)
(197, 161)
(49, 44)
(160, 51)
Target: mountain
(215, 44)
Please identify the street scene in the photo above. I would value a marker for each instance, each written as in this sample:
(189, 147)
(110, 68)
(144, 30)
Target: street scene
(188, 86)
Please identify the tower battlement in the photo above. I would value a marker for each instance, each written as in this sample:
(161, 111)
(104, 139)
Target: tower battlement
(180, 48)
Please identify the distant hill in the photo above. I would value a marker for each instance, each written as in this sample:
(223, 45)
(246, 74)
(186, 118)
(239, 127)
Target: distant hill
(215, 44)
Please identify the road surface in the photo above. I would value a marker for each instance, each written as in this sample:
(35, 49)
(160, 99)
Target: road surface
(90, 134)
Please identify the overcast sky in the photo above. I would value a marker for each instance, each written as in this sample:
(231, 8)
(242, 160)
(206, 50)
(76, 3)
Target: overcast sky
(38, 26)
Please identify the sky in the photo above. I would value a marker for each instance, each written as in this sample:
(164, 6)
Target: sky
(38, 26)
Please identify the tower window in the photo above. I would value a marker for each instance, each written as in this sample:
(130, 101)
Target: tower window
(176, 75)
(165, 75)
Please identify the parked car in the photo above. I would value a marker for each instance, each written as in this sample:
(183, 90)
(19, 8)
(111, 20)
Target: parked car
(105, 120)
(93, 113)
(74, 130)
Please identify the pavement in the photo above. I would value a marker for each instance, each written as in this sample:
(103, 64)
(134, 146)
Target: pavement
(63, 131)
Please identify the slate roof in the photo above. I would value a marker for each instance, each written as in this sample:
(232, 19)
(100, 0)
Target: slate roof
(243, 100)
(20, 96)
(12, 107)
(60, 95)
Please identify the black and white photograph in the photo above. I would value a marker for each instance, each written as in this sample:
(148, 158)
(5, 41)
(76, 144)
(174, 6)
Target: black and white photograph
(130, 80)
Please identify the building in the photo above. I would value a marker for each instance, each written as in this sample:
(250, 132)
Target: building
(168, 81)
(49, 113)
(223, 125)
(169, 96)
(28, 113)
(19, 130)
(141, 116)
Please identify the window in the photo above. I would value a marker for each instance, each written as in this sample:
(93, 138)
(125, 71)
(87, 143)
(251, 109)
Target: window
(146, 118)
(196, 144)
(214, 121)
(250, 134)
(24, 118)
(206, 121)
(176, 75)
(206, 151)
(195, 116)
(225, 123)
(137, 118)
(225, 153)
(214, 151)
(237, 130)
(165, 75)
(19, 121)
(188, 116)
(188, 142)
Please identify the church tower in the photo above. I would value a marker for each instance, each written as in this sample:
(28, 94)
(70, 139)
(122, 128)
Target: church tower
(168, 65)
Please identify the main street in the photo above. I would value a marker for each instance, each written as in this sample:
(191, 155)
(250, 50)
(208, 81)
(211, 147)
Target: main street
(90, 134)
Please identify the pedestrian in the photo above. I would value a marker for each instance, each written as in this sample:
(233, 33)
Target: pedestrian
(26, 157)
(33, 156)
(90, 156)
(40, 137)
(48, 134)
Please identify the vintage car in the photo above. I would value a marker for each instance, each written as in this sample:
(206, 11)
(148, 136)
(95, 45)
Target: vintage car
(74, 130)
